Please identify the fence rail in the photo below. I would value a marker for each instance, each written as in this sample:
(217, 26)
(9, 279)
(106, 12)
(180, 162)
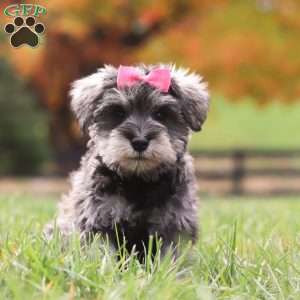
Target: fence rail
(246, 171)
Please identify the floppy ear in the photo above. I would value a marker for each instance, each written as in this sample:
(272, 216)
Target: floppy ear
(85, 94)
(194, 96)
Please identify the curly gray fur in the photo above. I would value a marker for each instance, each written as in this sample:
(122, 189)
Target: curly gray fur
(116, 189)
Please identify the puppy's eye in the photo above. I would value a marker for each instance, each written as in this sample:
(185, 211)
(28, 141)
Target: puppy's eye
(118, 112)
(161, 114)
(113, 114)
(113, 110)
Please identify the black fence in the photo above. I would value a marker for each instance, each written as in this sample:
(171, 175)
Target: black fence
(244, 171)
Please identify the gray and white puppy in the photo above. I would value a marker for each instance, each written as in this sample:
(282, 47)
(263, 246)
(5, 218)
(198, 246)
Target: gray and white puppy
(136, 178)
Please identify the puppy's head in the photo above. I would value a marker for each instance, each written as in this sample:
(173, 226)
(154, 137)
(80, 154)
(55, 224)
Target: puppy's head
(139, 129)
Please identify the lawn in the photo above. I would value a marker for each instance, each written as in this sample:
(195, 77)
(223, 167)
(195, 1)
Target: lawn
(248, 125)
(249, 249)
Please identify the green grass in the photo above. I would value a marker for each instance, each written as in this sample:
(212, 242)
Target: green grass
(247, 125)
(249, 249)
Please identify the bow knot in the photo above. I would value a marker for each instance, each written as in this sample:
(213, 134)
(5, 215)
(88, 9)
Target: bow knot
(159, 78)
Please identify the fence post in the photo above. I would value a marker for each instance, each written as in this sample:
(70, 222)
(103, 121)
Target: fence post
(238, 172)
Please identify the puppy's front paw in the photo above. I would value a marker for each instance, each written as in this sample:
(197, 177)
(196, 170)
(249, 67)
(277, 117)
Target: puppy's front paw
(48, 231)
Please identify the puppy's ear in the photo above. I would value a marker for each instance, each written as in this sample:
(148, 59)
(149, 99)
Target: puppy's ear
(86, 93)
(193, 95)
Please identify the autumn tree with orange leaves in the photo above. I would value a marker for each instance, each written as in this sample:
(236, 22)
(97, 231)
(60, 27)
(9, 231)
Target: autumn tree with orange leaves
(243, 48)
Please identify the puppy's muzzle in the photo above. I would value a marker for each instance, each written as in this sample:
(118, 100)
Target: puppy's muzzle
(139, 144)
(139, 136)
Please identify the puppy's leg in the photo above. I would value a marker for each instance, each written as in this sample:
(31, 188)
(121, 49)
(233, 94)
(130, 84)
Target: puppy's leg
(64, 223)
(177, 234)
(176, 245)
(64, 229)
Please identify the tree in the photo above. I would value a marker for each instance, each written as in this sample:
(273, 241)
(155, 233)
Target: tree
(243, 48)
(23, 130)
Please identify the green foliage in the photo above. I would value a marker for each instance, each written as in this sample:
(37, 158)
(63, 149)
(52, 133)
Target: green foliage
(23, 128)
(249, 249)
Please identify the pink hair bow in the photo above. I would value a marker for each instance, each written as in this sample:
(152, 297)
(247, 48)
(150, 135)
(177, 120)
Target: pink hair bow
(159, 78)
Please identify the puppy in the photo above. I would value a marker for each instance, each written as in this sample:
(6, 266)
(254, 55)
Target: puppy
(136, 179)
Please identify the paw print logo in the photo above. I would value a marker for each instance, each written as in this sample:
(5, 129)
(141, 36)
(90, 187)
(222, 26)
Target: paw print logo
(24, 33)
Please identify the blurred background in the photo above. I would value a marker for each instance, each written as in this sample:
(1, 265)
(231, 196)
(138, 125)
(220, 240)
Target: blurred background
(247, 50)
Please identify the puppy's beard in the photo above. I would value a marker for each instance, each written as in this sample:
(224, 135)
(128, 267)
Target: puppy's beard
(118, 154)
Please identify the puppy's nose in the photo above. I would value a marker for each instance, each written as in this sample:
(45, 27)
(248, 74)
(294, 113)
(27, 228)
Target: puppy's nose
(139, 144)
